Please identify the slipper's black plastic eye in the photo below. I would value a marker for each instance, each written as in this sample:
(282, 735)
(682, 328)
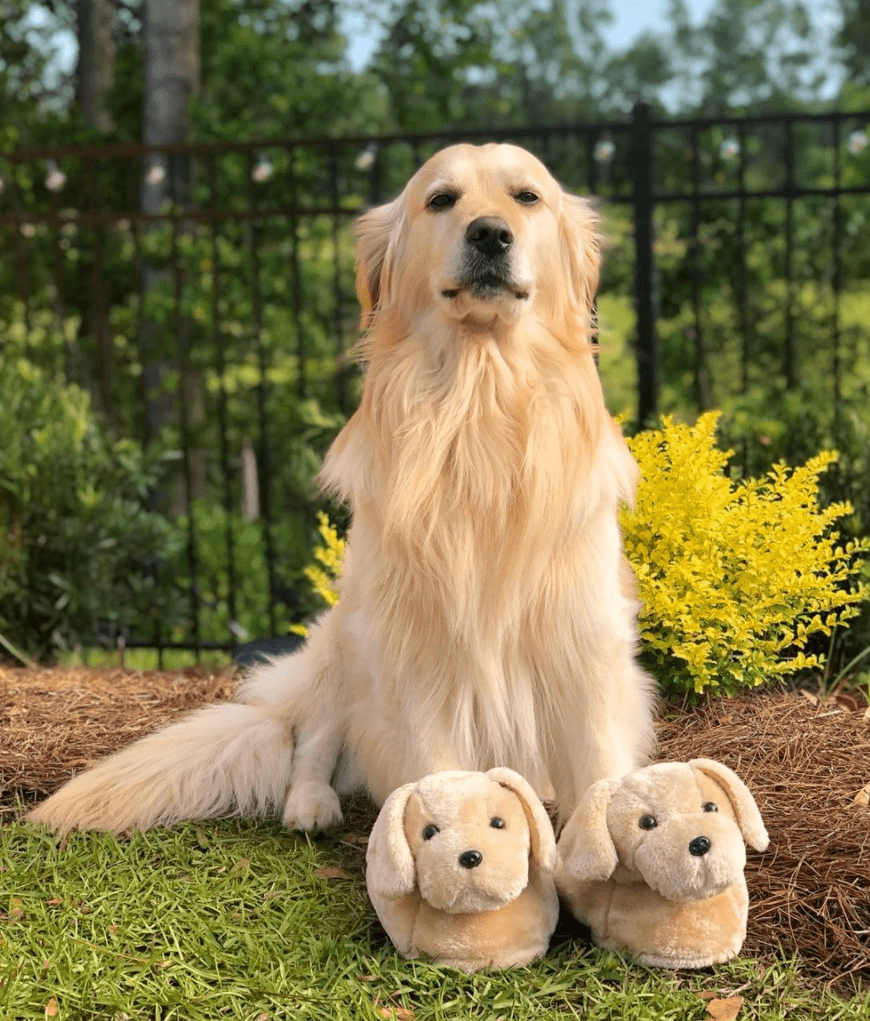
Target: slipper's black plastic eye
(496, 823)
(648, 822)
(430, 831)
(711, 806)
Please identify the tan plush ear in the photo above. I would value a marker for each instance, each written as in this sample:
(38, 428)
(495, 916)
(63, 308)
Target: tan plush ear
(377, 234)
(748, 817)
(585, 845)
(543, 839)
(581, 249)
(390, 865)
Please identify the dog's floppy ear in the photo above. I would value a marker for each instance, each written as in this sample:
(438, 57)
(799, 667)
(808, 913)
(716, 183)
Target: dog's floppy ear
(377, 234)
(543, 840)
(390, 865)
(586, 846)
(748, 817)
(581, 250)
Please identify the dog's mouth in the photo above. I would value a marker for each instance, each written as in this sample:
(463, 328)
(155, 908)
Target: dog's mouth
(487, 287)
(484, 277)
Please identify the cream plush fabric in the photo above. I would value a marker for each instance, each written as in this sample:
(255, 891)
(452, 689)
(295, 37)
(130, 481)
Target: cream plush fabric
(460, 870)
(653, 862)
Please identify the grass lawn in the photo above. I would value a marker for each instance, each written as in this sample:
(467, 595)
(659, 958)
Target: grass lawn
(246, 921)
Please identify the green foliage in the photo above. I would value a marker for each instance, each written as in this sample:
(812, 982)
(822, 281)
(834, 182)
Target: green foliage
(232, 576)
(735, 579)
(249, 922)
(76, 544)
(277, 70)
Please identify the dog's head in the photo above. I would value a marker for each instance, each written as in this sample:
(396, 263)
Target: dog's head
(678, 827)
(464, 840)
(481, 234)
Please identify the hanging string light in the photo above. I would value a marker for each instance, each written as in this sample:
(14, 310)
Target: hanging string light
(55, 179)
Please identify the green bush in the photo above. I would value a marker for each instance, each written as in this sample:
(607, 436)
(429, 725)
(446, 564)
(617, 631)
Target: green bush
(735, 578)
(237, 603)
(77, 547)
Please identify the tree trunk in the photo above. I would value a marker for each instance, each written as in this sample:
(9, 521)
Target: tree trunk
(96, 64)
(95, 74)
(171, 55)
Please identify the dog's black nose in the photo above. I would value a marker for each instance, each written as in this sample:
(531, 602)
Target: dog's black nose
(470, 859)
(699, 847)
(489, 235)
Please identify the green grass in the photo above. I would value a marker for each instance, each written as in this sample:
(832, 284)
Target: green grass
(231, 920)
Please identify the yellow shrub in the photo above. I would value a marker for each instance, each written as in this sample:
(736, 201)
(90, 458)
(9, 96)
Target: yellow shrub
(324, 574)
(734, 577)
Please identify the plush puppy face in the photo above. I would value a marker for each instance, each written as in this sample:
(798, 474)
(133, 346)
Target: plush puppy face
(470, 843)
(678, 827)
(480, 234)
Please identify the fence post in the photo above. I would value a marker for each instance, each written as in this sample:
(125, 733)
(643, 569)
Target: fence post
(643, 184)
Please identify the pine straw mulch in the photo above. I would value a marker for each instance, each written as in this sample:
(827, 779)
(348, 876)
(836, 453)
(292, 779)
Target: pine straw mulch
(806, 761)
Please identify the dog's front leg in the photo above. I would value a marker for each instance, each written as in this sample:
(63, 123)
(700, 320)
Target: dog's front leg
(312, 803)
(305, 691)
(607, 733)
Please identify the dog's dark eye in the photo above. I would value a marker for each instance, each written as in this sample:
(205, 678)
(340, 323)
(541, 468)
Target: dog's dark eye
(496, 823)
(526, 198)
(430, 831)
(711, 806)
(443, 200)
(648, 822)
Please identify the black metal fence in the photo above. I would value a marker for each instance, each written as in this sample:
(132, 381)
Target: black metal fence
(203, 294)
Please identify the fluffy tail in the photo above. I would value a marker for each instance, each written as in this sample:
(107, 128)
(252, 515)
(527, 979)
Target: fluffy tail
(219, 760)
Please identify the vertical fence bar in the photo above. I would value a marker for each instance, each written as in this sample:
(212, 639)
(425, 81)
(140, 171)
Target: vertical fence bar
(21, 276)
(184, 380)
(837, 283)
(591, 140)
(742, 271)
(789, 366)
(221, 365)
(265, 459)
(58, 262)
(296, 275)
(641, 157)
(703, 389)
(341, 374)
(145, 419)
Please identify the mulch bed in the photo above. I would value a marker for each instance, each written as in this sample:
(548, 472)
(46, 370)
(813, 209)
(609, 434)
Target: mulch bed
(807, 761)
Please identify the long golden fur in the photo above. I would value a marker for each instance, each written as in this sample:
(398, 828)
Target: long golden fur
(482, 619)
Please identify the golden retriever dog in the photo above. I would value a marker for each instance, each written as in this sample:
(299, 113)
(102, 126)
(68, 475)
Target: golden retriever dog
(484, 619)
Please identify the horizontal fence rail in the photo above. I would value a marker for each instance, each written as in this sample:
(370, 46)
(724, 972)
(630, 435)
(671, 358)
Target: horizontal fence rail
(202, 294)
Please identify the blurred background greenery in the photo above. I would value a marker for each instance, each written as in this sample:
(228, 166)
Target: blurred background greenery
(170, 377)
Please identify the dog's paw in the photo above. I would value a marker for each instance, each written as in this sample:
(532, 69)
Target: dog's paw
(312, 806)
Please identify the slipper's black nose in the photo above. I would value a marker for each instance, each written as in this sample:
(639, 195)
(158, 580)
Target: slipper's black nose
(470, 859)
(699, 846)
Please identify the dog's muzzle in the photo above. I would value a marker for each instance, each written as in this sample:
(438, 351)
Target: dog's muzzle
(486, 264)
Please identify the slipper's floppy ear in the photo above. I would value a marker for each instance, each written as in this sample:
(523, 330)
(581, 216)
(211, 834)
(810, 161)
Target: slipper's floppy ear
(748, 817)
(543, 840)
(585, 846)
(390, 868)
